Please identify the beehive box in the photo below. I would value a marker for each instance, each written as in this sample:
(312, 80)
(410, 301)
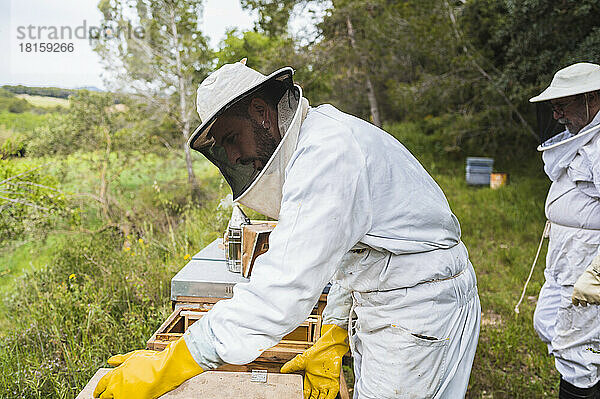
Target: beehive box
(185, 314)
(478, 170)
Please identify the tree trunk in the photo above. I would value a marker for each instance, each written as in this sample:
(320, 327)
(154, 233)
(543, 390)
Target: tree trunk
(374, 108)
(183, 108)
(103, 194)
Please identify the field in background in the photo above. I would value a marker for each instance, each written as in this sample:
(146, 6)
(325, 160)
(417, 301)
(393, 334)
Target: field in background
(45, 102)
(72, 300)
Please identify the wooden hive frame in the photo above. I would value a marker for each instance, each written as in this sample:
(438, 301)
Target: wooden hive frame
(302, 338)
(173, 328)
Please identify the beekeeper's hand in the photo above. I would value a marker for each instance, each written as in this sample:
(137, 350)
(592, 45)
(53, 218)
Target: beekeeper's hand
(587, 287)
(147, 374)
(321, 363)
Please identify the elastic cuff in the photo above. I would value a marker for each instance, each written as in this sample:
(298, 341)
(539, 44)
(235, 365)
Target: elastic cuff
(339, 304)
(200, 342)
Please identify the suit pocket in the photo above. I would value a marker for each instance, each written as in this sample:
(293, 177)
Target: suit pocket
(410, 364)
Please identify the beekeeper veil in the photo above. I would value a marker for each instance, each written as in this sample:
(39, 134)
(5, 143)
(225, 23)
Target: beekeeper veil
(575, 79)
(232, 85)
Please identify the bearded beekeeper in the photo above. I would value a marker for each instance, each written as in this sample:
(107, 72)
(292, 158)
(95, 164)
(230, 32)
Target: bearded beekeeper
(567, 316)
(354, 208)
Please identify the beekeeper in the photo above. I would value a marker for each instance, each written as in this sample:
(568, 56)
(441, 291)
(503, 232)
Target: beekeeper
(355, 208)
(572, 161)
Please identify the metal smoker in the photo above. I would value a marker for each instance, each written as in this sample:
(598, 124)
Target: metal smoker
(233, 239)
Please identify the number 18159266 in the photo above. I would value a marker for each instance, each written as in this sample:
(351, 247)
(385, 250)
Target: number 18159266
(47, 47)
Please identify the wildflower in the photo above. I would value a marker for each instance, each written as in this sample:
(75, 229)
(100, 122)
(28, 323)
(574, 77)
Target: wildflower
(141, 241)
(186, 257)
(72, 276)
(126, 248)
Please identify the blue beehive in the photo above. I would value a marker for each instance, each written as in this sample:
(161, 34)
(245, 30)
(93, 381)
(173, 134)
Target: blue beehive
(479, 170)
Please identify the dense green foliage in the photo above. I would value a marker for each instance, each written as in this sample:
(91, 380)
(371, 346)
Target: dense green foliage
(528, 41)
(102, 290)
(16, 130)
(470, 64)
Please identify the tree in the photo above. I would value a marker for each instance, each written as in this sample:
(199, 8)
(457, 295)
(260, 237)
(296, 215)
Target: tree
(343, 51)
(162, 61)
(463, 69)
(264, 53)
(267, 53)
(273, 16)
(97, 125)
(529, 41)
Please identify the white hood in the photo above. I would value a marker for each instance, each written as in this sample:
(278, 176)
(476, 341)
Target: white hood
(264, 194)
(559, 151)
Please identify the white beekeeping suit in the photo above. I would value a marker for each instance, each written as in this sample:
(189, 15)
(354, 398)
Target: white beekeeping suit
(572, 162)
(356, 208)
(573, 208)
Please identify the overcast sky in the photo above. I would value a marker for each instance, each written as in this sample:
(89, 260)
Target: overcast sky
(80, 67)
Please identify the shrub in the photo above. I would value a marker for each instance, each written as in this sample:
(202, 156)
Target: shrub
(30, 203)
(18, 106)
(94, 299)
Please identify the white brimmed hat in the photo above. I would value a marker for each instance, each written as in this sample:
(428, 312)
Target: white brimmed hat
(578, 78)
(223, 88)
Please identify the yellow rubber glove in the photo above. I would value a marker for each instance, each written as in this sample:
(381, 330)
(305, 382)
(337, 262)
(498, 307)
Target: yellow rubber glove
(147, 374)
(587, 288)
(321, 363)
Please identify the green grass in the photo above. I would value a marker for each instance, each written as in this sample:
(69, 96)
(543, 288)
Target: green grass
(501, 230)
(21, 123)
(29, 255)
(58, 330)
(45, 102)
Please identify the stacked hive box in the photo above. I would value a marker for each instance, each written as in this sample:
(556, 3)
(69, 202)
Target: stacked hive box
(479, 170)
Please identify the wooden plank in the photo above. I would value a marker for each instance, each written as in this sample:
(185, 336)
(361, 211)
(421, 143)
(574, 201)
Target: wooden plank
(278, 355)
(196, 299)
(157, 345)
(223, 384)
(292, 342)
(168, 336)
(344, 393)
(192, 313)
